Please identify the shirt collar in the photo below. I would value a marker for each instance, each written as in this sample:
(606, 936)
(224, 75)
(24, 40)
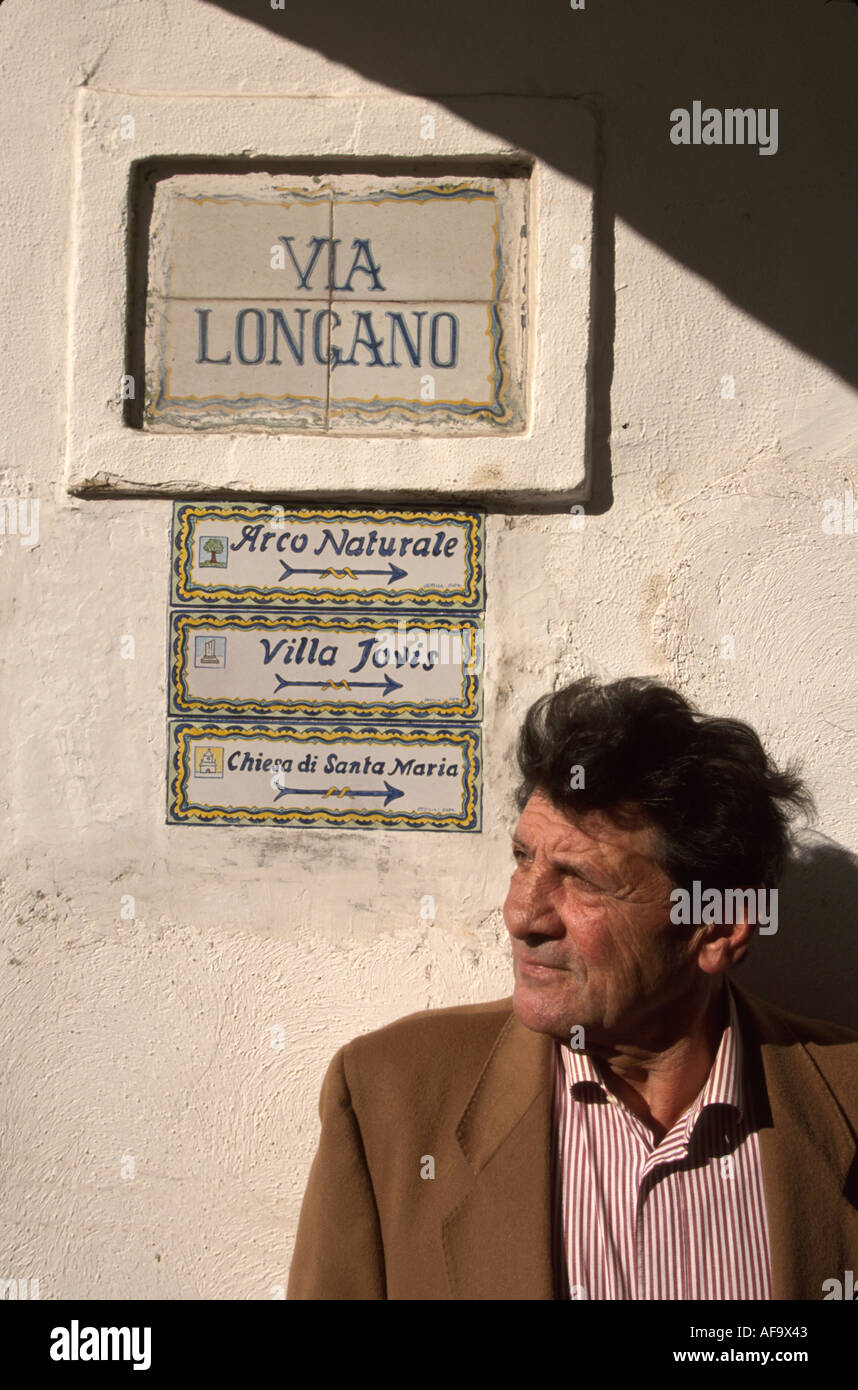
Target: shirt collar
(724, 1084)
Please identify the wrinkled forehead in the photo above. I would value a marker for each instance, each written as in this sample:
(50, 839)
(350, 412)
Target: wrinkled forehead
(623, 832)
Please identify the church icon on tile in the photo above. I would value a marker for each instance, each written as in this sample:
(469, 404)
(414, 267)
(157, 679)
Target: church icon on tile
(208, 762)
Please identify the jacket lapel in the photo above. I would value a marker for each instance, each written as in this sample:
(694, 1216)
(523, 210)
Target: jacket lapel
(497, 1240)
(808, 1154)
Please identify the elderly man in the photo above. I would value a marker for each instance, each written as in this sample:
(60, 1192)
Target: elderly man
(630, 1124)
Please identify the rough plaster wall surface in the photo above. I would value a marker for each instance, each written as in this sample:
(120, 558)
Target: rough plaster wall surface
(193, 1036)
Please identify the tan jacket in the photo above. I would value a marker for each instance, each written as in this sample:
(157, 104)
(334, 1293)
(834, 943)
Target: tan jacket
(470, 1089)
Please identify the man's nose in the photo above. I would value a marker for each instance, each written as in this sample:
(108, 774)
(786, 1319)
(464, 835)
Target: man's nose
(529, 909)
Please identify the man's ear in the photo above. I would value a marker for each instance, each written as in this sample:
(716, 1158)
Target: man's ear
(724, 944)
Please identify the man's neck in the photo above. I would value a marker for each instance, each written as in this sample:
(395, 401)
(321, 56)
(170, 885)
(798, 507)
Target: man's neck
(659, 1086)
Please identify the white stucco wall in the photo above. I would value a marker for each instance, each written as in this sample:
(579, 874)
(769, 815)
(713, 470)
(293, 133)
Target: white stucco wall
(158, 1036)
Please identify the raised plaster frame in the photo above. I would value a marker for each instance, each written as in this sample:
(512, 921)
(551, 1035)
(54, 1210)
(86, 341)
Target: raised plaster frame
(105, 456)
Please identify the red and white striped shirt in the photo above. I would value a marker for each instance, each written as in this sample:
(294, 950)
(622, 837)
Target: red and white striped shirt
(681, 1218)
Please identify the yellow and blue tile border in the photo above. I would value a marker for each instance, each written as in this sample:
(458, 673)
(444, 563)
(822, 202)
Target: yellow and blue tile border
(213, 412)
(357, 792)
(388, 593)
(464, 634)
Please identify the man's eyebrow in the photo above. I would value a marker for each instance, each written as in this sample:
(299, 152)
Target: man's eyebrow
(578, 866)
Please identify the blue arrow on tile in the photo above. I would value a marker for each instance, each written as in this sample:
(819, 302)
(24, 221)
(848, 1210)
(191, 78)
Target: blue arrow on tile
(390, 793)
(393, 572)
(387, 685)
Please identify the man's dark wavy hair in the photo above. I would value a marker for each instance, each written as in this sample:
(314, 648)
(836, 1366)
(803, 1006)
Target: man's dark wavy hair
(721, 807)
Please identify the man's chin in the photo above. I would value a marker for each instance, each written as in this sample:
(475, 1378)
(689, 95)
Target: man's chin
(537, 1013)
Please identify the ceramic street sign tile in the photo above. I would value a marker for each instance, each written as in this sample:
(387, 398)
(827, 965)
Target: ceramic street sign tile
(471, 340)
(365, 303)
(454, 239)
(333, 775)
(257, 383)
(264, 555)
(219, 244)
(304, 666)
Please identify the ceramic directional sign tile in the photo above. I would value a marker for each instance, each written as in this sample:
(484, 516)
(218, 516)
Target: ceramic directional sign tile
(359, 304)
(333, 775)
(301, 666)
(289, 624)
(264, 555)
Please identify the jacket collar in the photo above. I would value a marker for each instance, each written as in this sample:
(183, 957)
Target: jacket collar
(808, 1152)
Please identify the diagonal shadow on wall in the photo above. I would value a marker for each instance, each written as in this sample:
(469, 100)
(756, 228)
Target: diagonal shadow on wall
(775, 233)
(810, 964)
